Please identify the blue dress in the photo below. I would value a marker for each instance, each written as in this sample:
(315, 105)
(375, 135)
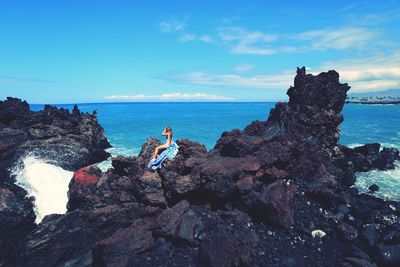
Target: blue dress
(169, 153)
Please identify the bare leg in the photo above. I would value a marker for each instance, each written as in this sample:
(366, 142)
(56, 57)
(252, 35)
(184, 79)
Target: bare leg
(157, 149)
(155, 153)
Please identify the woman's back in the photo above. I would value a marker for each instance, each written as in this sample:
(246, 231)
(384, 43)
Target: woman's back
(168, 135)
(169, 138)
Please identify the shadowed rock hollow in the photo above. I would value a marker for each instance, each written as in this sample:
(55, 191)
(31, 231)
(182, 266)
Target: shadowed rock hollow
(261, 197)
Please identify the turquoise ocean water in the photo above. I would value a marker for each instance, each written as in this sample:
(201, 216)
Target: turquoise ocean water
(127, 126)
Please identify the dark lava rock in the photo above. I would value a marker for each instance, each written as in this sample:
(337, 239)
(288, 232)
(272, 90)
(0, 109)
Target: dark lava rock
(82, 187)
(373, 188)
(146, 185)
(50, 133)
(229, 242)
(170, 217)
(189, 228)
(358, 262)
(126, 166)
(388, 255)
(191, 149)
(347, 232)
(253, 200)
(147, 151)
(16, 221)
(124, 244)
(148, 189)
(324, 194)
(70, 140)
(54, 135)
(369, 156)
(11, 109)
(370, 234)
(68, 239)
(275, 204)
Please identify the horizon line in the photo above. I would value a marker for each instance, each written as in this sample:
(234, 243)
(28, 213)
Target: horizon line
(158, 102)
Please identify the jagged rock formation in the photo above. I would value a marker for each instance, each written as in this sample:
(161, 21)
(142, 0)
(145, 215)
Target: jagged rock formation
(70, 140)
(49, 133)
(257, 199)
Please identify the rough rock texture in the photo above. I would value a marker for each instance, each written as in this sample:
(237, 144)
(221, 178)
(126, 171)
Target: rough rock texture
(16, 220)
(256, 199)
(275, 204)
(70, 140)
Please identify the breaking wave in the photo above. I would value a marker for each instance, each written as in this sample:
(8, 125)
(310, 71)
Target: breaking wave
(388, 181)
(46, 182)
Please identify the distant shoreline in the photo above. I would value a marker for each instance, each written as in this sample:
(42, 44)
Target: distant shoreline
(374, 102)
(160, 102)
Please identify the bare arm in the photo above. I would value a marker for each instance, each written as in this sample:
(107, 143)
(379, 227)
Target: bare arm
(164, 133)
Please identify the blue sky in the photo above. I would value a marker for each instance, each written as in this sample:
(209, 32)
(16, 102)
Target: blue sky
(104, 51)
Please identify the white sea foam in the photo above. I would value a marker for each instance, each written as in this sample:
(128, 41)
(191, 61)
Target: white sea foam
(104, 165)
(388, 182)
(388, 145)
(354, 145)
(122, 151)
(46, 182)
(116, 151)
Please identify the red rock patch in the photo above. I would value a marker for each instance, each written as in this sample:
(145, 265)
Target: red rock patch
(84, 176)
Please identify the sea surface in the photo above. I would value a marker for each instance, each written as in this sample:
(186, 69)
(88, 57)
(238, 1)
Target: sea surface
(128, 125)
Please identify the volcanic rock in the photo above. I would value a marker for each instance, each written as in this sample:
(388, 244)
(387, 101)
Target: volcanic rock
(253, 200)
(373, 188)
(56, 136)
(275, 204)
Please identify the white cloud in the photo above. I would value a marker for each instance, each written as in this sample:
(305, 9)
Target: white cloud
(179, 27)
(373, 85)
(187, 37)
(376, 73)
(239, 40)
(339, 39)
(243, 67)
(373, 73)
(170, 97)
(172, 26)
(243, 35)
(229, 20)
(246, 49)
(243, 41)
(205, 38)
(372, 19)
(279, 81)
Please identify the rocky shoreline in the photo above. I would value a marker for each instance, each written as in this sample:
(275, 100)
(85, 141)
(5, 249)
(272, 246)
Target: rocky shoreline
(70, 140)
(374, 102)
(278, 193)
